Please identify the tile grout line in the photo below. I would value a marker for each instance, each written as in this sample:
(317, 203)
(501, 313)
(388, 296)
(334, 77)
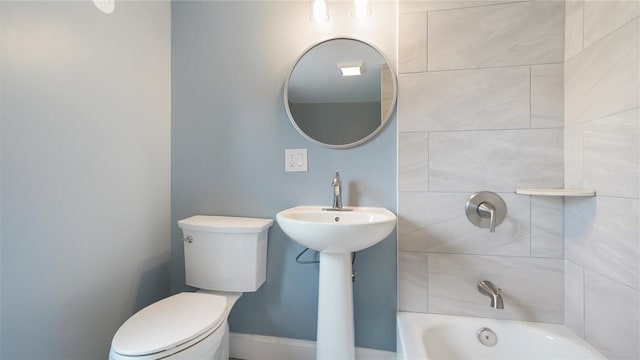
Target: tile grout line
(427, 280)
(531, 225)
(426, 20)
(428, 162)
(582, 38)
(530, 94)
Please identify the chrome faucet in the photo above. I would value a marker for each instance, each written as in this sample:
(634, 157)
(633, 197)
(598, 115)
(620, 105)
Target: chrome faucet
(337, 191)
(486, 287)
(337, 194)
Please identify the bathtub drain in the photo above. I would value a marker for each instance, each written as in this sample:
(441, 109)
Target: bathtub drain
(487, 337)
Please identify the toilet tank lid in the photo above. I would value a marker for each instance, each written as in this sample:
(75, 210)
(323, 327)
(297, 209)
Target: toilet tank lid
(169, 323)
(225, 224)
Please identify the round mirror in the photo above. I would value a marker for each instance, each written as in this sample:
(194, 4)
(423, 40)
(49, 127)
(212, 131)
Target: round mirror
(340, 93)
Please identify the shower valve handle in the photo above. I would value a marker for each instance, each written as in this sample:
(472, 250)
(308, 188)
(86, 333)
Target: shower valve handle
(487, 210)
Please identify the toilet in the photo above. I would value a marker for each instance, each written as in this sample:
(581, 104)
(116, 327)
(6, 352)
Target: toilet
(224, 257)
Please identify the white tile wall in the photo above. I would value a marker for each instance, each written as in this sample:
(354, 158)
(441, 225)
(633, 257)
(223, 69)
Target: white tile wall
(603, 79)
(437, 101)
(573, 162)
(485, 114)
(495, 160)
(574, 297)
(586, 112)
(436, 222)
(605, 312)
(604, 17)
(611, 147)
(413, 161)
(612, 313)
(547, 227)
(412, 43)
(602, 235)
(532, 288)
(412, 281)
(573, 27)
(499, 35)
(547, 96)
(434, 5)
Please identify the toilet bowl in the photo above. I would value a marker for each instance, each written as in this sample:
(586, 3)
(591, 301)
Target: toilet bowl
(224, 256)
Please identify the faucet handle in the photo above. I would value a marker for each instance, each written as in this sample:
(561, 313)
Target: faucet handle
(336, 179)
(485, 208)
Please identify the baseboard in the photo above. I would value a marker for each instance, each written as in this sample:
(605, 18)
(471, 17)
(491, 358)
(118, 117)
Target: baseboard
(258, 347)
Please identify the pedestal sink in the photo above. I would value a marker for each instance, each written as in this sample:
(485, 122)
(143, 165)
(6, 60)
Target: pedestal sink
(336, 234)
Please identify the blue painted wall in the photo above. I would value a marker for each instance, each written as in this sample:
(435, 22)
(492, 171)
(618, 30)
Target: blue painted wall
(229, 132)
(85, 144)
(356, 120)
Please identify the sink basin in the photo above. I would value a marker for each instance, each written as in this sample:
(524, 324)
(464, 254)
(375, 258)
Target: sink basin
(337, 231)
(336, 234)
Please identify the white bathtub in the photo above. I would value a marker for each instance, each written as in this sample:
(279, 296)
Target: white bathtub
(431, 336)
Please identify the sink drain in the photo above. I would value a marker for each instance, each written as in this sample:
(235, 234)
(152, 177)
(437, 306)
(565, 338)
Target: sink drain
(487, 337)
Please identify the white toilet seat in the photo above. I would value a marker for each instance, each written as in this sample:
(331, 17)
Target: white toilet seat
(170, 326)
(208, 343)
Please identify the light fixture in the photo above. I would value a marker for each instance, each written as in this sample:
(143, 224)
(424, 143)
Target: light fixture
(362, 9)
(106, 6)
(319, 11)
(351, 70)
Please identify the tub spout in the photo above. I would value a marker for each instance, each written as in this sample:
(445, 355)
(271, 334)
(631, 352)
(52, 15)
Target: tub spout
(486, 287)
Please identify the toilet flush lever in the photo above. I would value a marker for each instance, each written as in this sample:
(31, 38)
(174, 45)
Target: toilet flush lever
(188, 239)
(486, 209)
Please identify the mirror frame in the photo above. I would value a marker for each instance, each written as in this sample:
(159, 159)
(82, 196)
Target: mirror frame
(385, 118)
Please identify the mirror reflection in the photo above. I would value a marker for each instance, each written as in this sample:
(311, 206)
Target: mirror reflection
(340, 93)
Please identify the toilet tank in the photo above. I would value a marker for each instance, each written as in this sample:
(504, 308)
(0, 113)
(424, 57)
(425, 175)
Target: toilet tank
(225, 253)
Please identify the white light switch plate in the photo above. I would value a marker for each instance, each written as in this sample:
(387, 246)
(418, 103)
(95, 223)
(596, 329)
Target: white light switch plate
(295, 160)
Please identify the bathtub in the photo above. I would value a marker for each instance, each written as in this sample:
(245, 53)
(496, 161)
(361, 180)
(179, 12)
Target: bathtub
(432, 336)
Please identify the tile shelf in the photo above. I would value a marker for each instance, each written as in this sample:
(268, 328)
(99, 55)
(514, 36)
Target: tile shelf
(555, 192)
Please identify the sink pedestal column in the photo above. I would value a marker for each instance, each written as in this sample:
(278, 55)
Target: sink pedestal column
(335, 308)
